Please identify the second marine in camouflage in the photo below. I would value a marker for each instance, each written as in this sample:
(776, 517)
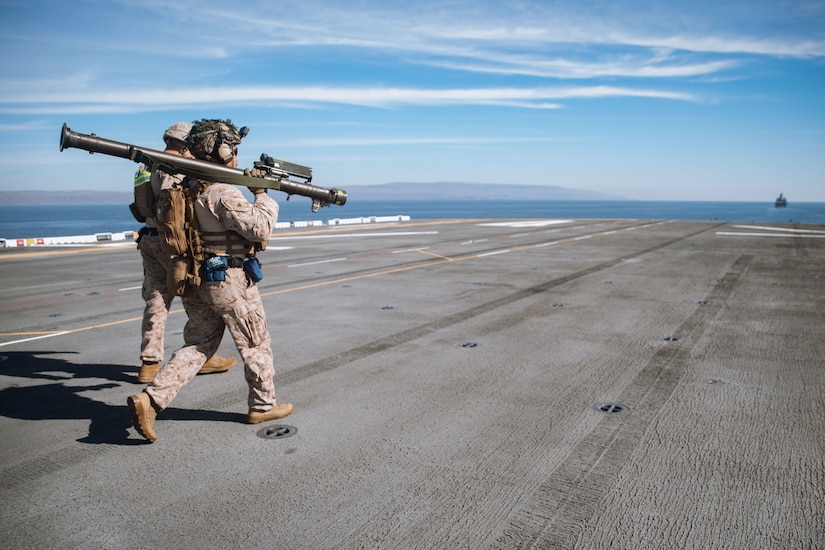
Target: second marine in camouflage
(155, 291)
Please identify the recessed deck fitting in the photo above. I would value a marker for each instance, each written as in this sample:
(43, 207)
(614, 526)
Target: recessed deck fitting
(670, 339)
(611, 408)
(277, 432)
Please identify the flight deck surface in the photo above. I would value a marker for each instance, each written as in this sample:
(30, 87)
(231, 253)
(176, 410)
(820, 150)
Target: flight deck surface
(573, 383)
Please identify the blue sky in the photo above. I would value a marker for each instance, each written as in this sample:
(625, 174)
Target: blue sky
(698, 100)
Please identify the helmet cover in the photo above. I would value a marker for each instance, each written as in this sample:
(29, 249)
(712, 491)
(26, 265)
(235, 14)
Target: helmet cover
(213, 139)
(178, 131)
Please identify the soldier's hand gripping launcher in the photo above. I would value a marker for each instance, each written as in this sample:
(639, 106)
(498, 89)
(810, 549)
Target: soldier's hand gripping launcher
(278, 176)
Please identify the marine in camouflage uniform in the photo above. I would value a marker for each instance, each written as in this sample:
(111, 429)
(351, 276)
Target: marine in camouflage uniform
(155, 291)
(229, 226)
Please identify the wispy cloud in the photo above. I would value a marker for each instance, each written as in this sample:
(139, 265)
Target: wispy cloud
(537, 39)
(726, 44)
(427, 140)
(567, 69)
(475, 31)
(34, 125)
(159, 99)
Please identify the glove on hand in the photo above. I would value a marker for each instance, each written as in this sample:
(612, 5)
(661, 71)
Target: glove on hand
(255, 173)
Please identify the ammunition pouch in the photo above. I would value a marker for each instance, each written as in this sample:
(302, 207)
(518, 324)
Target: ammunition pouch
(252, 268)
(136, 213)
(179, 235)
(173, 217)
(177, 276)
(152, 231)
(214, 269)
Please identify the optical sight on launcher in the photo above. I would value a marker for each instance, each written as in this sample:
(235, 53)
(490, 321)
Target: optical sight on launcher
(278, 176)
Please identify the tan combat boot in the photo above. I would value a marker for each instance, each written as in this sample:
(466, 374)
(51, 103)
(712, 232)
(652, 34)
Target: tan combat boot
(217, 363)
(278, 411)
(147, 372)
(143, 415)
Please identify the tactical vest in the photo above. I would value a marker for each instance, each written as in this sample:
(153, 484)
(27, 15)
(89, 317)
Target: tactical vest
(216, 239)
(190, 233)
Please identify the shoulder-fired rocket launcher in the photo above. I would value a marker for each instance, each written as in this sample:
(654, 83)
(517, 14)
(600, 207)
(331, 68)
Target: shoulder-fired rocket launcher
(280, 175)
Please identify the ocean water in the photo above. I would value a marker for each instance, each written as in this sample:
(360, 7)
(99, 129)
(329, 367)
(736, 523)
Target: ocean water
(68, 220)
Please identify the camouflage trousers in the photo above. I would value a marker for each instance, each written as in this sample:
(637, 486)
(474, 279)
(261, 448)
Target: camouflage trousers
(234, 304)
(157, 297)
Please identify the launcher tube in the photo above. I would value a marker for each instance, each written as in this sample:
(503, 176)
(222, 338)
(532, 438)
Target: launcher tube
(200, 169)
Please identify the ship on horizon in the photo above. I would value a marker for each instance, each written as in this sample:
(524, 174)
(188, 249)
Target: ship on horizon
(781, 201)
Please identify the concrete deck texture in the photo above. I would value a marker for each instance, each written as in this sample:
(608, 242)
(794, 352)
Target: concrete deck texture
(457, 384)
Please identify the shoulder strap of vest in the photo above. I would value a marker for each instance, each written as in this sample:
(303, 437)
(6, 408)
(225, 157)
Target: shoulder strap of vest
(193, 189)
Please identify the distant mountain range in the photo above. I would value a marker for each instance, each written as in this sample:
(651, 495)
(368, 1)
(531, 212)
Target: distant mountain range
(18, 198)
(384, 192)
(470, 191)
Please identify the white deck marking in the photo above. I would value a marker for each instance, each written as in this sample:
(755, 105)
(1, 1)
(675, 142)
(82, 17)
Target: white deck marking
(34, 338)
(525, 223)
(785, 229)
(746, 234)
(319, 262)
(344, 235)
(492, 253)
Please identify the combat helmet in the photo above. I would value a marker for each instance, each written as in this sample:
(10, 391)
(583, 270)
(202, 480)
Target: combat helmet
(178, 131)
(214, 139)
